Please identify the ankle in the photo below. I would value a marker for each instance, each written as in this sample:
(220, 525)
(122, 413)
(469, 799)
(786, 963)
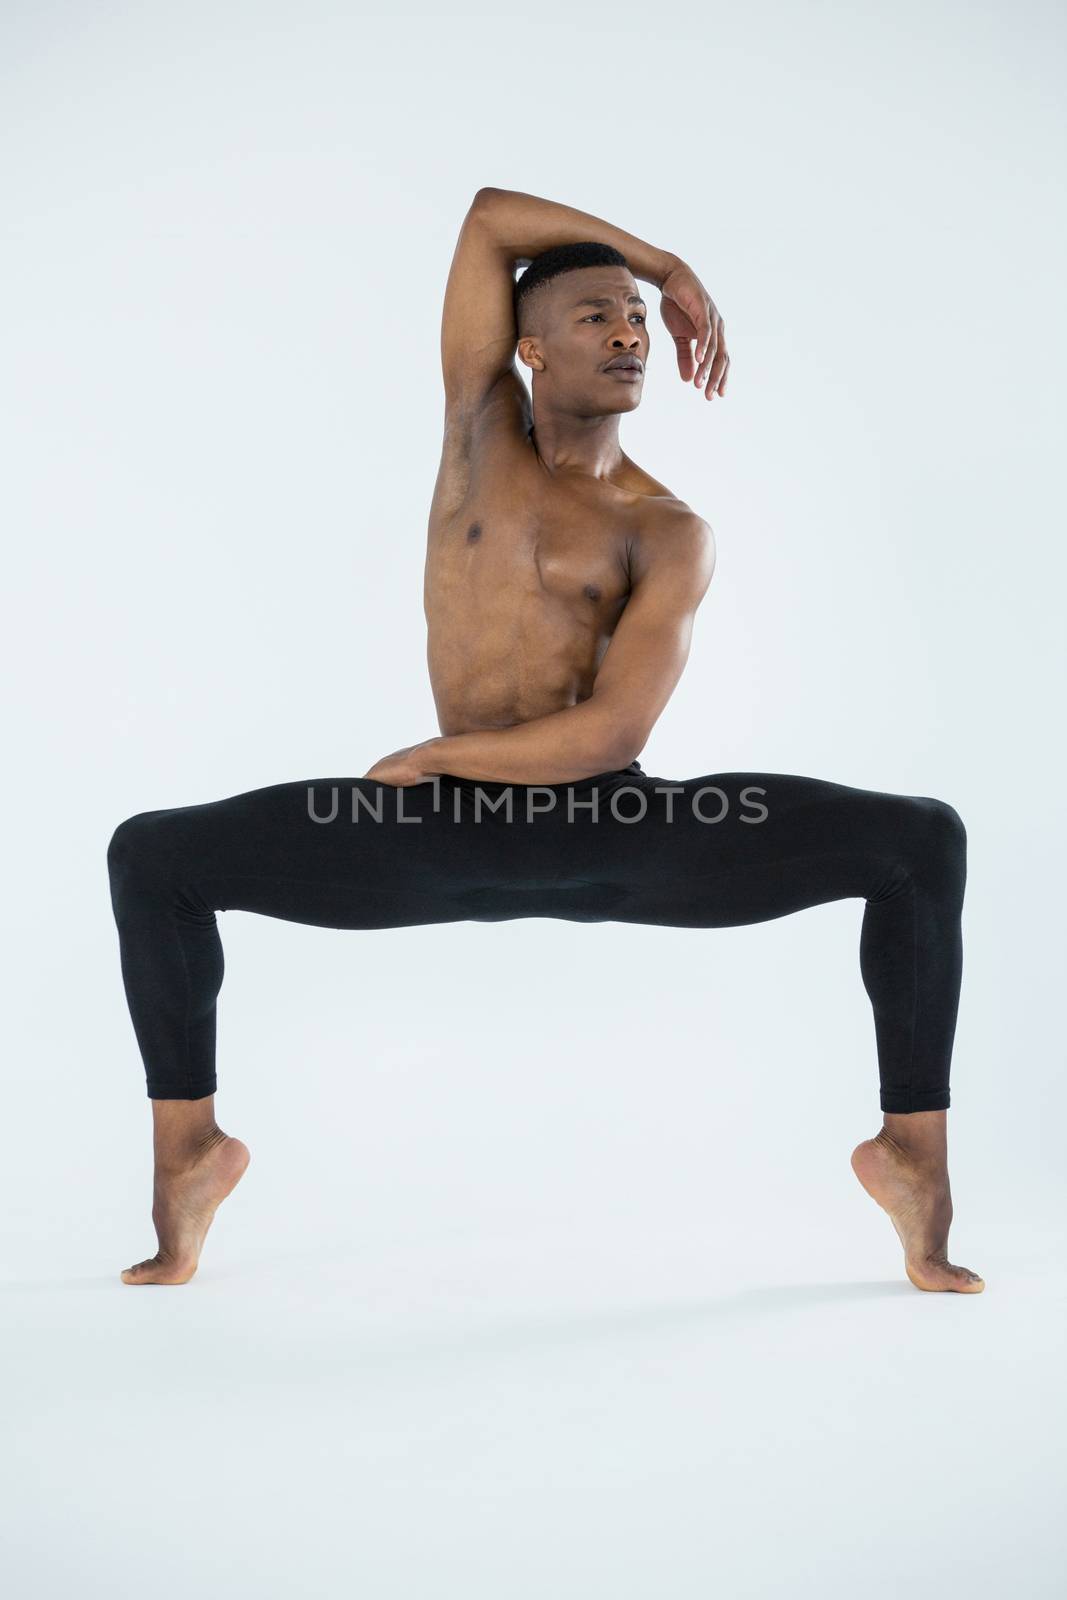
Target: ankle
(927, 1158)
(923, 1132)
(174, 1156)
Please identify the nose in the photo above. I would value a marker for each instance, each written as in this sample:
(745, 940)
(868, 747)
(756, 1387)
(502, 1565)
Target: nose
(630, 340)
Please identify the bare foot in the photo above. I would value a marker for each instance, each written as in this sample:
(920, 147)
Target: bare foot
(917, 1196)
(184, 1202)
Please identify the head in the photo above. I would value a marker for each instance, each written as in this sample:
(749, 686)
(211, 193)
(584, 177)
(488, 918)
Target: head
(578, 310)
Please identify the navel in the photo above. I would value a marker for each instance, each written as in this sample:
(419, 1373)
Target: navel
(474, 533)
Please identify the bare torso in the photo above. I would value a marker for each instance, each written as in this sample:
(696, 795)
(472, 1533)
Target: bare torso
(527, 573)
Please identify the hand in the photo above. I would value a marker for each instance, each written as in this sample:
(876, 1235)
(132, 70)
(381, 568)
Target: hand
(403, 767)
(690, 314)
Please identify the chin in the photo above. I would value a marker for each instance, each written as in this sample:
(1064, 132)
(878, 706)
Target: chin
(628, 399)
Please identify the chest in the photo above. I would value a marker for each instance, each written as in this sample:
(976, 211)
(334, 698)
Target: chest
(558, 547)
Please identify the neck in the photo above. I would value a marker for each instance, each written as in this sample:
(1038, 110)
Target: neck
(568, 443)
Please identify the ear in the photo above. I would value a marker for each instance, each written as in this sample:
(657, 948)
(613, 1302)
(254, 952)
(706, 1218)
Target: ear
(530, 355)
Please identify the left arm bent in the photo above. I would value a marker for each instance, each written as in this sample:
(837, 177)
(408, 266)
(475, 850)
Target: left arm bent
(638, 675)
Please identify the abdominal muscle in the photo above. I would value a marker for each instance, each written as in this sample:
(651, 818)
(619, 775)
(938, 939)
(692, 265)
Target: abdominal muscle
(537, 659)
(494, 691)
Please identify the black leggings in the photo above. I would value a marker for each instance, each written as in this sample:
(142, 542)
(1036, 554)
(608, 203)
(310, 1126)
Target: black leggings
(709, 852)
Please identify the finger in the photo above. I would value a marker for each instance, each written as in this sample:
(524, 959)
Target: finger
(715, 355)
(684, 350)
(703, 317)
(707, 335)
(706, 345)
(709, 357)
(718, 367)
(722, 381)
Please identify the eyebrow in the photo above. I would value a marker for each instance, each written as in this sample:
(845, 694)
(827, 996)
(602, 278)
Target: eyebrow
(606, 299)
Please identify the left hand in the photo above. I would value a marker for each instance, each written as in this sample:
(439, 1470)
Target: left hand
(403, 767)
(692, 318)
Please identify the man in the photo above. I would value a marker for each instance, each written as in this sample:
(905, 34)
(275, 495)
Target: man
(560, 591)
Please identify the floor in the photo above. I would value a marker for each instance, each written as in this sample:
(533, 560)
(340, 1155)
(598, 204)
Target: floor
(601, 1406)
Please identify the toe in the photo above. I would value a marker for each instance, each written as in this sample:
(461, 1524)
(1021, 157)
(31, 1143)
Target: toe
(964, 1280)
(159, 1271)
(942, 1275)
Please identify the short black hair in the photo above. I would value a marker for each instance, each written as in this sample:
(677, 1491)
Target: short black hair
(562, 258)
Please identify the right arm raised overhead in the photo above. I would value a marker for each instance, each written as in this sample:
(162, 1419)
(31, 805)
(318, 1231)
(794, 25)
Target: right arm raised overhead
(504, 228)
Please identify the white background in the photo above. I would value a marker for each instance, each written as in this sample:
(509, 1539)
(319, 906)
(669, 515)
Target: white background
(550, 1276)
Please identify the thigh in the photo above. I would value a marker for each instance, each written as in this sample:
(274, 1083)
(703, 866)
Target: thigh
(714, 850)
(333, 852)
(727, 848)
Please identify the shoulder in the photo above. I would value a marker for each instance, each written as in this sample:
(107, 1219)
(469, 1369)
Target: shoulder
(659, 513)
(669, 532)
(673, 519)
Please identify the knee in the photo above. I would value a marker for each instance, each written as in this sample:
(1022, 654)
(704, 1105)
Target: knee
(938, 840)
(945, 825)
(138, 847)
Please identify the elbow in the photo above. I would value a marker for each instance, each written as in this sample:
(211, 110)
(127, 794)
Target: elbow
(620, 747)
(616, 734)
(484, 198)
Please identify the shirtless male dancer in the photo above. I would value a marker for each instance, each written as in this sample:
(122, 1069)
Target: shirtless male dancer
(561, 585)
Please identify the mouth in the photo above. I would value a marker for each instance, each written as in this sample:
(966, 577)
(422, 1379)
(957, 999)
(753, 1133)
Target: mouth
(627, 367)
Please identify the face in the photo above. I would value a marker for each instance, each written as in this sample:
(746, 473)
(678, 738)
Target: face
(590, 354)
